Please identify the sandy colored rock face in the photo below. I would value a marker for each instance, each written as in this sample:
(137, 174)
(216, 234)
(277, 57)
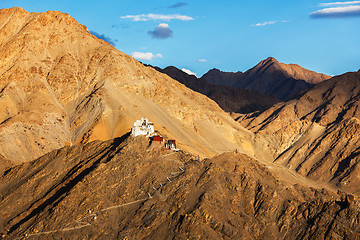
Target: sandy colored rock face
(60, 84)
(120, 189)
(317, 134)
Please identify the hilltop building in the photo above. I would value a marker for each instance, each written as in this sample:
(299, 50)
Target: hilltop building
(171, 145)
(158, 139)
(143, 128)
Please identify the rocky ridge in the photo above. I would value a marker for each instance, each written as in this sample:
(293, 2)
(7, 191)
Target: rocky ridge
(316, 134)
(121, 189)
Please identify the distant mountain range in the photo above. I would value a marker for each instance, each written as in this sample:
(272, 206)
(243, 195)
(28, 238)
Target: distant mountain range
(230, 99)
(270, 77)
(255, 90)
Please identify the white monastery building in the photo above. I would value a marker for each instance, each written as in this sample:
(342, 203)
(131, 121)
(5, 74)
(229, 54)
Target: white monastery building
(143, 127)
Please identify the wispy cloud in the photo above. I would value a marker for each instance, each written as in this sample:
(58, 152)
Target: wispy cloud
(187, 71)
(103, 37)
(162, 31)
(201, 60)
(268, 23)
(178, 5)
(122, 26)
(335, 12)
(339, 3)
(147, 56)
(161, 17)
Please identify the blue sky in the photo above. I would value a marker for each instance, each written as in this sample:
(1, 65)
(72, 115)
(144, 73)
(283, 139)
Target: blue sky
(231, 35)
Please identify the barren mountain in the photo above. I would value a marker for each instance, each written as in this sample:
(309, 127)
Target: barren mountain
(230, 99)
(60, 85)
(278, 79)
(120, 189)
(217, 77)
(317, 134)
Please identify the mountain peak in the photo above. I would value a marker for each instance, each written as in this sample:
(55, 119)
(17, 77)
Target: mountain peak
(291, 70)
(282, 80)
(271, 59)
(13, 9)
(214, 70)
(268, 62)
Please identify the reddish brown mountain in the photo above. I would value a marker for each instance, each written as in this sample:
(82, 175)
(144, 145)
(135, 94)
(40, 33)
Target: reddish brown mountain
(270, 77)
(278, 79)
(230, 99)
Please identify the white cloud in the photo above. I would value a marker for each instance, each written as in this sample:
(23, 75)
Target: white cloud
(347, 11)
(187, 71)
(162, 17)
(162, 31)
(264, 23)
(339, 3)
(148, 56)
(163, 25)
(201, 60)
(268, 23)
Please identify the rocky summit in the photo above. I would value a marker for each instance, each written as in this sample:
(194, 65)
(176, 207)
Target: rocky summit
(270, 77)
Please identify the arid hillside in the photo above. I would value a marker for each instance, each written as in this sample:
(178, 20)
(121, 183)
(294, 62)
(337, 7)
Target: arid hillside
(60, 85)
(120, 189)
(317, 134)
(230, 99)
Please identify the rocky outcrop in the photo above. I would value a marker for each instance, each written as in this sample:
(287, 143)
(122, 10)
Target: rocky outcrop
(60, 85)
(120, 189)
(318, 133)
(230, 99)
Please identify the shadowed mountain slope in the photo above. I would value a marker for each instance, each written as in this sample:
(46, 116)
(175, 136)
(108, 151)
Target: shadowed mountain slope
(278, 79)
(120, 189)
(217, 77)
(318, 133)
(230, 99)
(270, 77)
(60, 85)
